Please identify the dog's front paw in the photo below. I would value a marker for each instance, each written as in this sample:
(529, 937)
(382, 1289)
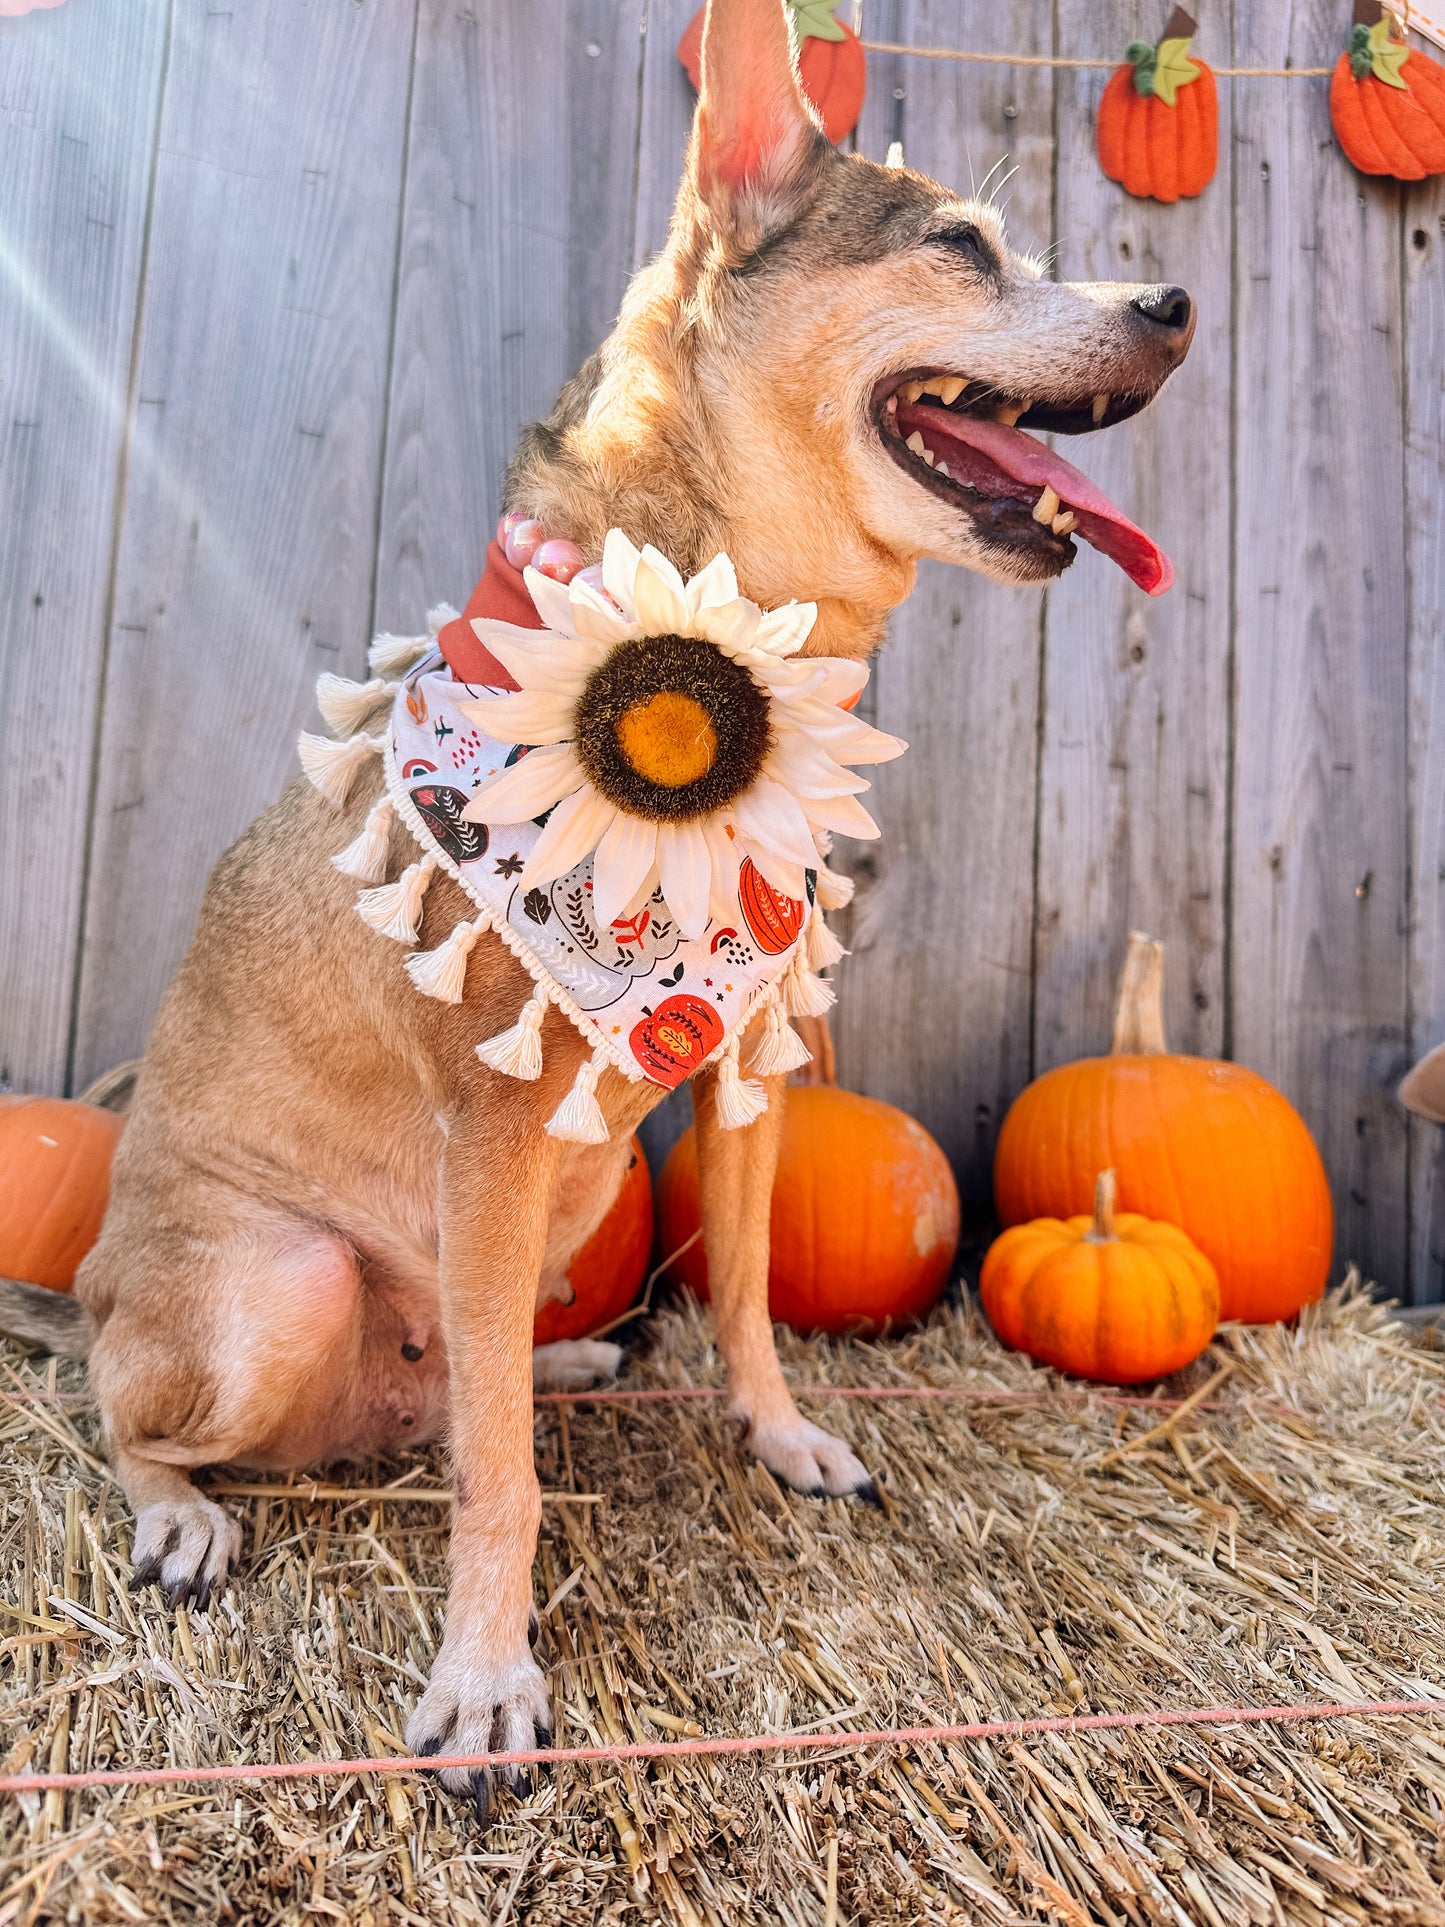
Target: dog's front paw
(811, 1460)
(187, 1546)
(572, 1363)
(474, 1705)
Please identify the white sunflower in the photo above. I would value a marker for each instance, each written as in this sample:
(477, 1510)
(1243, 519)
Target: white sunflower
(672, 730)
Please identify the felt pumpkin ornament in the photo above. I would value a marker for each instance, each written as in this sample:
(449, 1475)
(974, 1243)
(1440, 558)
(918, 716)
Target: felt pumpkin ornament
(1205, 1145)
(55, 1157)
(831, 63)
(864, 1215)
(1111, 1296)
(606, 1272)
(1158, 120)
(1387, 100)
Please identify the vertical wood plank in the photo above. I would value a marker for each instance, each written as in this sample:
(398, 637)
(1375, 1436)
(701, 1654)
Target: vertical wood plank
(1425, 576)
(1319, 945)
(516, 247)
(934, 1003)
(78, 98)
(667, 107)
(245, 556)
(1134, 788)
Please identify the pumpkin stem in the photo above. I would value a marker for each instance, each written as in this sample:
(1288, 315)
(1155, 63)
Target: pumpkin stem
(1105, 1188)
(1139, 1008)
(1180, 26)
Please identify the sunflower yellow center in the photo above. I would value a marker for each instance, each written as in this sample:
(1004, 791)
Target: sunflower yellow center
(668, 738)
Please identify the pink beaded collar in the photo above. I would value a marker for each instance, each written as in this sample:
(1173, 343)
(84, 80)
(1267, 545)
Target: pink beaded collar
(502, 594)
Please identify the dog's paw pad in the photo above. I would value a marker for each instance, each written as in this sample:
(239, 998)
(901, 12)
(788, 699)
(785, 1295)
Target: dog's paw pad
(186, 1547)
(811, 1460)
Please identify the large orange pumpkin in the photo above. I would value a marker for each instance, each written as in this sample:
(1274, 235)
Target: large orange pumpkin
(1116, 1298)
(1158, 121)
(864, 1218)
(1208, 1146)
(607, 1271)
(55, 1157)
(831, 62)
(1387, 101)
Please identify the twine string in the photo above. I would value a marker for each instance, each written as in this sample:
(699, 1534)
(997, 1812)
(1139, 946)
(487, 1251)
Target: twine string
(1074, 60)
(725, 1744)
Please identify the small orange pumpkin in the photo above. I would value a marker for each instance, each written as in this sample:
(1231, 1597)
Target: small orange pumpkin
(1206, 1145)
(1158, 120)
(864, 1217)
(607, 1271)
(55, 1155)
(1387, 101)
(1120, 1298)
(831, 62)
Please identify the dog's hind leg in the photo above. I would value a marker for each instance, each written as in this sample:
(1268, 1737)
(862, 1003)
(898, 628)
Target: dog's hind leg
(735, 1171)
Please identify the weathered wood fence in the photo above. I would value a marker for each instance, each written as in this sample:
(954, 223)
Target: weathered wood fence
(280, 280)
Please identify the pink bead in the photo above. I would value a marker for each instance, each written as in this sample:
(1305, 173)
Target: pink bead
(523, 542)
(557, 558)
(508, 522)
(592, 576)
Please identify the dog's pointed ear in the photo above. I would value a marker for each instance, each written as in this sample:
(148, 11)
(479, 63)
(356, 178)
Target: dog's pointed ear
(755, 137)
(1422, 1089)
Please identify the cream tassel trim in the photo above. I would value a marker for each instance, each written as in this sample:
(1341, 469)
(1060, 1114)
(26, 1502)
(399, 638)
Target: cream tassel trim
(781, 1050)
(740, 1100)
(365, 856)
(578, 1118)
(822, 946)
(833, 892)
(392, 911)
(345, 705)
(442, 973)
(804, 994)
(518, 1052)
(394, 655)
(438, 618)
(334, 767)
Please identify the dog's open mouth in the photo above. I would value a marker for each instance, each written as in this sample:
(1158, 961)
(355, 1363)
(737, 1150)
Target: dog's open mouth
(966, 442)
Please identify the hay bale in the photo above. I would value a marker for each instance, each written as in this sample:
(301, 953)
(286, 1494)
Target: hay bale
(1037, 1554)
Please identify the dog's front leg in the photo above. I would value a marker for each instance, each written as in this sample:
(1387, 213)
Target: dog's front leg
(735, 1172)
(486, 1690)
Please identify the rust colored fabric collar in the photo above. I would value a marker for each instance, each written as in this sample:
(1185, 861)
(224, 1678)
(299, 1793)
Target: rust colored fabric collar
(501, 593)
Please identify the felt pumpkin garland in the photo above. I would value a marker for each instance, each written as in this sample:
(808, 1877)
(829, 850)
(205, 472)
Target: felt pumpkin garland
(1387, 100)
(831, 62)
(1158, 121)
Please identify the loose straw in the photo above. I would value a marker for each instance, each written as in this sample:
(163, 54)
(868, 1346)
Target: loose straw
(724, 1744)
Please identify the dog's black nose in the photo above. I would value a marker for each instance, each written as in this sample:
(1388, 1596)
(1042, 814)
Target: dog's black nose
(1168, 308)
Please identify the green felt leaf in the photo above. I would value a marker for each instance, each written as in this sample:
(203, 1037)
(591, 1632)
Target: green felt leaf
(1387, 56)
(1173, 69)
(813, 20)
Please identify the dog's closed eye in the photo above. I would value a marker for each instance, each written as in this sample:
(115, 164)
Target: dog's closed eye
(966, 240)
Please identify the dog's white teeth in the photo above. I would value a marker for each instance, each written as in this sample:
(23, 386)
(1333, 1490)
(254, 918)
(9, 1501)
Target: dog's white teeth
(1047, 506)
(1065, 524)
(927, 457)
(942, 469)
(1101, 408)
(1008, 413)
(911, 390)
(950, 390)
(915, 442)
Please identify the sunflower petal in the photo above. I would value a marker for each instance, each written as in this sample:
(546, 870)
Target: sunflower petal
(841, 678)
(619, 571)
(767, 814)
(845, 814)
(572, 831)
(726, 860)
(596, 616)
(790, 878)
(660, 595)
(551, 601)
(730, 625)
(782, 632)
(539, 660)
(712, 586)
(624, 860)
(542, 777)
(806, 769)
(684, 866)
(529, 717)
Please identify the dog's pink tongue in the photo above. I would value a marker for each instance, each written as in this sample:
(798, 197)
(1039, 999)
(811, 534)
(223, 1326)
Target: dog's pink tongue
(1022, 459)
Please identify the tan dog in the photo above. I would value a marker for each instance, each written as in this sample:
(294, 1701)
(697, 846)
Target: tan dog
(330, 1224)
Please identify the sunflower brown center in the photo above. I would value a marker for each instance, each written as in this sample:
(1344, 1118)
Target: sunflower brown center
(670, 728)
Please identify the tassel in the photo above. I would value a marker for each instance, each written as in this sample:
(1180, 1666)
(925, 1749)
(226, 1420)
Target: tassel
(822, 946)
(334, 767)
(518, 1052)
(804, 994)
(781, 1050)
(833, 892)
(438, 618)
(442, 973)
(365, 856)
(740, 1100)
(392, 911)
(578, 1118)
(345, 705)
(394, 655)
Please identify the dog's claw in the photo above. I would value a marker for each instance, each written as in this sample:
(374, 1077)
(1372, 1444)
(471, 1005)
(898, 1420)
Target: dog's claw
(869, 1494)
(473, 1707)
(482, 1796)
(186, 1547)
(809, 1459)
